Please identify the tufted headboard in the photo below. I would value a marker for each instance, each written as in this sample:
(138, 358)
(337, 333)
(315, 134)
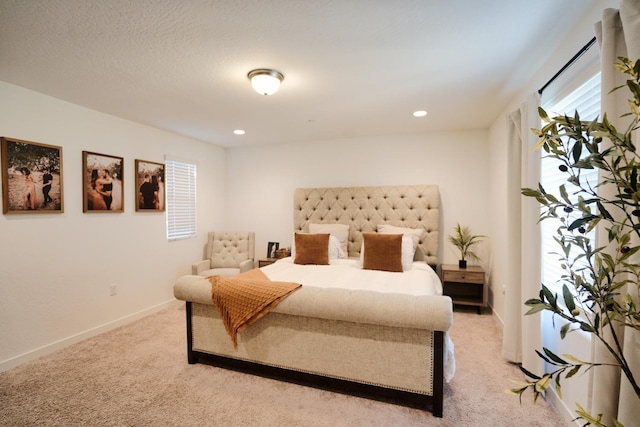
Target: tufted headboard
(363, 208)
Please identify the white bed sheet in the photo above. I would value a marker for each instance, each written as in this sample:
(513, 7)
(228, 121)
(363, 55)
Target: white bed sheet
(348, 274)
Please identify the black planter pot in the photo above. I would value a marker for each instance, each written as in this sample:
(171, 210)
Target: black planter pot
(462, 263)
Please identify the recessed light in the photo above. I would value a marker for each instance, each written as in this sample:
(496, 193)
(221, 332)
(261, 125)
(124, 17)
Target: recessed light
(420, 113)
(238, 132)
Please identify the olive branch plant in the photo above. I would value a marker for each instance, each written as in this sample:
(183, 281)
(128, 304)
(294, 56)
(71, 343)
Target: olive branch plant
(600, 285)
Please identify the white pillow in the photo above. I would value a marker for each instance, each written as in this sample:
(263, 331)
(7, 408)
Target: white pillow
(407, 255)
(408, 252)
(340, 231)
(335, 250)
(414, 233)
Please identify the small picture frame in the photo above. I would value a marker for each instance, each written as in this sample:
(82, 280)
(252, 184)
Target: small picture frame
(150, 189)
(102, 183)
(31, 177)
(272, 247)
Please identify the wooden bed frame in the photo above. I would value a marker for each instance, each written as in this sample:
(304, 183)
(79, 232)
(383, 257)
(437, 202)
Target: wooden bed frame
(423, 352)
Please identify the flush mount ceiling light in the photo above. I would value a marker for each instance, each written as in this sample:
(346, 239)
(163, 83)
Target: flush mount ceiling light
(420, 113)
(265, 81)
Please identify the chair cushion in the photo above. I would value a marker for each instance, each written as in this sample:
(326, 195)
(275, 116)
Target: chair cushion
(224, 272)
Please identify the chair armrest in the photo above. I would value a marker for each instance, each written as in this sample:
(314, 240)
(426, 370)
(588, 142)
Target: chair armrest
(199, 266)
(246, 265)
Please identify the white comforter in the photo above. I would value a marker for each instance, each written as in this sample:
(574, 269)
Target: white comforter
(348, 274)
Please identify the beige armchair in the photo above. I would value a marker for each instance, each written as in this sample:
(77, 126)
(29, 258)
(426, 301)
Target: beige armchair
(226, 254)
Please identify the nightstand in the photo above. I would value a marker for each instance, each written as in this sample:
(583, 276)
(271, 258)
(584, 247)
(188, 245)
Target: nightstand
(465, 286)
(266, 261)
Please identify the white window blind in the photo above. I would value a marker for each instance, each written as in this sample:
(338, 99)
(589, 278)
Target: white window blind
(181, 199)
(586, 100)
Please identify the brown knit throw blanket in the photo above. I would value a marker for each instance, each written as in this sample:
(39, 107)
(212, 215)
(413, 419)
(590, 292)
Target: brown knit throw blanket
(245, 298)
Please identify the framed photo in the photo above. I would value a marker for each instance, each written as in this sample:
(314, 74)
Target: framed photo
(31, 177)
(149, 186)
(102, 183)
(272, 247)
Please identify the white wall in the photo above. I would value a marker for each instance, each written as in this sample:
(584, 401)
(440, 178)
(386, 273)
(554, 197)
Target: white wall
(55, 269)
(262, 179)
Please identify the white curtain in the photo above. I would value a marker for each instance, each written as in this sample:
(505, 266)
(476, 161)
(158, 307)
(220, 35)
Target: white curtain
(522, 334)
(618, 34)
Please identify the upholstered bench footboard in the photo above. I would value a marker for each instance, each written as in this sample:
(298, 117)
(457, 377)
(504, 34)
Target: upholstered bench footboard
(385, 346)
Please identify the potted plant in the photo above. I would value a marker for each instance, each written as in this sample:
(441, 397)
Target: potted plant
(598, 291)
(463, 239)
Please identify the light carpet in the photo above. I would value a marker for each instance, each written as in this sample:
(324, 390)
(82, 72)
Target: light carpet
(137, 375)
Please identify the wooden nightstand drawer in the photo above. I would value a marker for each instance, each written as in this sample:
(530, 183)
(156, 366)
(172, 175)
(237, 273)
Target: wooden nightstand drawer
(464, 276)
(465, 286)
(265, 262)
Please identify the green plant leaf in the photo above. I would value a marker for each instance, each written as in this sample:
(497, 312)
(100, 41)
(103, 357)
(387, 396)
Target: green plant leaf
(549, 296)
(530, 192)
(577, 151)
(558, 387)
(516, 391)
(574, 359)
(543, 115)
(564, 329)
(634, 88)
(553, 356)
(543, 384)
(573, 371)
(536, 309)
(596, 421)
(568, 298)
(605, 213)
(529, 374)
(581, 221)
(586, 327)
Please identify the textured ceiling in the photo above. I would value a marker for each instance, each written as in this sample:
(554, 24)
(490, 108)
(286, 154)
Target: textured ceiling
(352, 67)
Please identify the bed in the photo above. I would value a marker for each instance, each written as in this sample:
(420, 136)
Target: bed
(384, 337)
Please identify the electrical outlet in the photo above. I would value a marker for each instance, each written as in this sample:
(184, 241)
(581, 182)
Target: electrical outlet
(113, 289)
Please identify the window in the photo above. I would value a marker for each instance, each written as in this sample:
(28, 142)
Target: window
(586, 100)
(181, 199)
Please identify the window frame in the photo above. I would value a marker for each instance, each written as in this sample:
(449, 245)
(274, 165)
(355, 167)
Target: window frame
(181, 199)
(581, 94)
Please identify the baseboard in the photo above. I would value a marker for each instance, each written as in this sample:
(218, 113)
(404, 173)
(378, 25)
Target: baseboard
(561, 408)
(567, 414)
(497, 317)
(65, 342)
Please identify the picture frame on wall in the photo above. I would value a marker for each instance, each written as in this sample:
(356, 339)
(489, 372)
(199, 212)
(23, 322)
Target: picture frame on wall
(150, 189)
(31, 177)
(102, 183)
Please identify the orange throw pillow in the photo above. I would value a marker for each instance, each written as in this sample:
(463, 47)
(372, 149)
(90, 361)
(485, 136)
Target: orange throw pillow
(382, 252)
(312, 249)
